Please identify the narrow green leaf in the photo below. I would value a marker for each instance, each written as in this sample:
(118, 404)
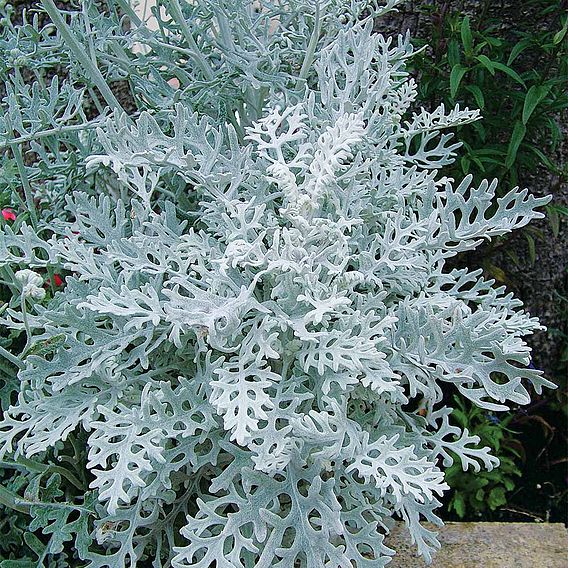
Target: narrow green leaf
(492, 151)
(453, 52)
(459, 505)
(458, 71)
(480, 129)
(487, 63)
(535, 94)
(478, 162)
(477, 95)
(508, 71)
(518, 49)
(460, 417)
(517, 137)
(555, 132)
(494, 41)
(544, 159)
(562, 210)
(492, 161)
(559, 36)
(467, 38)
(532, 249)
(554, 219)
(514, 257)
(497, 273)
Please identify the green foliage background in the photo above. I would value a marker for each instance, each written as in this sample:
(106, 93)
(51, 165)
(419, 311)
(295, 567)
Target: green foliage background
(511, 61)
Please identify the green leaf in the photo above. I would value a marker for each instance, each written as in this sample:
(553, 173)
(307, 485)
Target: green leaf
(532, 249)
(477, 95)
(458, 71)
(518, 48)
(480, 130)
(544, 159)
(453, 53)
(494, 41)
(517, 137)
(508, 71)
(487, 63)
(496, 498)
(496, 273)
(467, 38)
(478, 162)
(535, 94)
(559, 36)
(514, 257)
(555, 132)
(458, 504)
(460, 417)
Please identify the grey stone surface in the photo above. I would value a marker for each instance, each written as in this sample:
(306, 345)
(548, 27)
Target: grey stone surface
(488, 545)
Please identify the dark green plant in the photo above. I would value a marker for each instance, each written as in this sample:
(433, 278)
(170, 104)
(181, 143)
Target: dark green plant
(476, 65)
(474, 493)
(518, 80)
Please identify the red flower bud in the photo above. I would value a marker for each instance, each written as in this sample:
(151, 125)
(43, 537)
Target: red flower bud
(57, 280)
(8, 215)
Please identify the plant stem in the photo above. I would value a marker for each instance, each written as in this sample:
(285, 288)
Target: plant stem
(54, 505)
(48, 132)
(26, 322)
(309, 58)
(12, 500)
(79, 53)
(12, 358)
(177, 15)
(16, 151)
(31, 465)
(197, 56)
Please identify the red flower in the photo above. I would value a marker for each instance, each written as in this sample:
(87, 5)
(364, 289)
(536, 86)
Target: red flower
(8, 215)
(58, 281)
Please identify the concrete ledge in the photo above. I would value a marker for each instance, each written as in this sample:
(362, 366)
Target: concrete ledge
(489, 545)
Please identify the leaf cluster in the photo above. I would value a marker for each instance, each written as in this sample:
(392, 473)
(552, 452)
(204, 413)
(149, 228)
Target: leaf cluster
(246, 364)
(475, 63)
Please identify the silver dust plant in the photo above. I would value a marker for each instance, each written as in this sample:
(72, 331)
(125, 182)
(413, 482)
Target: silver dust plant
(245, 364)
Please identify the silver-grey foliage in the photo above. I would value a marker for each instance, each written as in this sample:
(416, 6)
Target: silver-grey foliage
(260, 292)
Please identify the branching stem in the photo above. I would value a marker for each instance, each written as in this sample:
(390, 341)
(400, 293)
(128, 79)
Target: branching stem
(79, 53)
(197, 56)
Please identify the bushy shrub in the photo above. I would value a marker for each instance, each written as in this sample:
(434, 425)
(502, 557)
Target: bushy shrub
(246, 361)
